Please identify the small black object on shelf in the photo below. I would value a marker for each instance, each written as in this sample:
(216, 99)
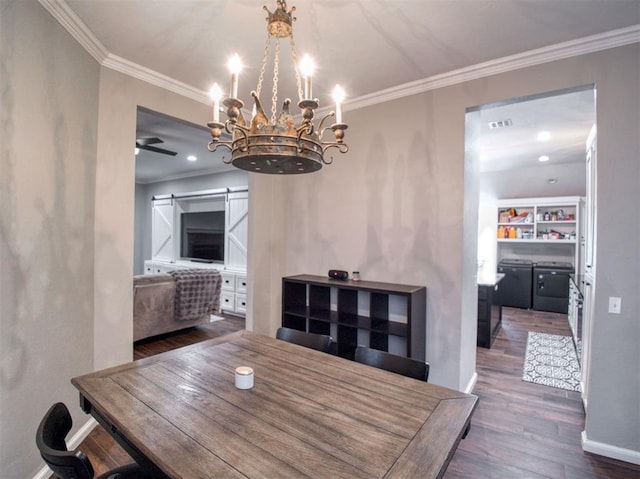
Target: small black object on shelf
(338, 274)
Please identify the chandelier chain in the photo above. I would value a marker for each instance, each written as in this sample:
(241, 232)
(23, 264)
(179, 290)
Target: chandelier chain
(295, 66)
(276, 70)
(264, 64)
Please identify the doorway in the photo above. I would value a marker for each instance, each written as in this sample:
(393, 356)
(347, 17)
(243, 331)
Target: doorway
(172, 158)
(524, 151)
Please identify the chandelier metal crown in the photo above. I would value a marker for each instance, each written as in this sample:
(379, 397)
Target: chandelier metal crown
(276, 145)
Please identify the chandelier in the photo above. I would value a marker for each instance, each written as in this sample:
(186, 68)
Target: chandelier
(276, 145)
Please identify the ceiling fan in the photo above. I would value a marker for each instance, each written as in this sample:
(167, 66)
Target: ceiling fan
(145, 144)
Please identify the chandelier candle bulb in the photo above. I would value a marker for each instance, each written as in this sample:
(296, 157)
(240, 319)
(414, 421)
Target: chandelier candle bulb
(338, 97)
(215, 94)
(234, 66)
(307, 68)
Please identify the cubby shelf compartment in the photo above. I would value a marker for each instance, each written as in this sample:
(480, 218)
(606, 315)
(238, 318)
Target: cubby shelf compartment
(385, 316)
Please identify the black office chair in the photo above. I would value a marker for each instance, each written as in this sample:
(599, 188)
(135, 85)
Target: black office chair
(50, 440)
(390, 362)
(319, 342)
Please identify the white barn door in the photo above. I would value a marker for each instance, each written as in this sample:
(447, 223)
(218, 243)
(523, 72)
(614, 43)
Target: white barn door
(162, 230)
(237, 235)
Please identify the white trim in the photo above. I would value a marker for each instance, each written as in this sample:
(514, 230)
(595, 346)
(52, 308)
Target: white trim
(471, 384)
(44, 473)
(73, 443)
(594, 43)
(152, 77)
(607, 450)
(76, 27)
(186, 174)
(541, 200)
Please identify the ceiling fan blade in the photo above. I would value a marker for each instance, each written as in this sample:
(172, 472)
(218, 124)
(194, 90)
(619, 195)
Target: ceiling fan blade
(148, 141)
(158, 150)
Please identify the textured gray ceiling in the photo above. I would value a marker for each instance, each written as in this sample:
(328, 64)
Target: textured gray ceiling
(367, 46)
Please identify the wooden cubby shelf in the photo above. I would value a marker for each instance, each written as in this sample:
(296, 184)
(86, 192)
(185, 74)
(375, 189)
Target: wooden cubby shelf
(385, 316)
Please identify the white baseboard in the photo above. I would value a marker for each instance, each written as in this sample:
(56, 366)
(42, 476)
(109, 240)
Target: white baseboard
(73, 443)
(607, 450)
(471, 384)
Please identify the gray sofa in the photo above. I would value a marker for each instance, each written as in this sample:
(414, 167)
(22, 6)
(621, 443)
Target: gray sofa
(159, 303)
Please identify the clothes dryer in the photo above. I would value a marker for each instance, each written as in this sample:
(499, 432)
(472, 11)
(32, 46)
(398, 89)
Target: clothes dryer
(551, 286)
(515, 288)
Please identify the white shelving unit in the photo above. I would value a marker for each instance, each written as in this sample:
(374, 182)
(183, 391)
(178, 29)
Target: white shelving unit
(166, 212)
(540, 228)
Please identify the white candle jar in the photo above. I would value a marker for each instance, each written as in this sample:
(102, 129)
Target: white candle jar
(244, 377)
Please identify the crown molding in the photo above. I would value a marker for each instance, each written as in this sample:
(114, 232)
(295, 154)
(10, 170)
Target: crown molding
(559, 51)
(615, 38)
(60, 10)
(76, 27)
(134, 70)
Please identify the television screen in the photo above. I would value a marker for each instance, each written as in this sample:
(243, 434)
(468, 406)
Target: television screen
(202, 235)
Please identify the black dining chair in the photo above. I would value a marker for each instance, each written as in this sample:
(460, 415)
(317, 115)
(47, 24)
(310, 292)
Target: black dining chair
(319, 342)
(390, 362)
(66, 464)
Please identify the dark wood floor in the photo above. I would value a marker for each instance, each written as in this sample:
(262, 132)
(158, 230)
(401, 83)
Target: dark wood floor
(525, 430)
(519, 430)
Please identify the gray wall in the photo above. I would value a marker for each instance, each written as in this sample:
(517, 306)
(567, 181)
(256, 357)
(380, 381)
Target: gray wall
(141, 228)
(145, 192)
(49, 115)
(393, 208)
(120, 96)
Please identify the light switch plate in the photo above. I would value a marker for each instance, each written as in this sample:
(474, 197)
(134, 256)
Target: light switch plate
(615, 305)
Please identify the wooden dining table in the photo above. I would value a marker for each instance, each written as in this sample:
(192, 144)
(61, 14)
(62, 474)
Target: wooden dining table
(309, 414)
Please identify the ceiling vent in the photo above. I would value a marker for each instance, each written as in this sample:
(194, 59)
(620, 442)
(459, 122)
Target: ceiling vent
(493, 125)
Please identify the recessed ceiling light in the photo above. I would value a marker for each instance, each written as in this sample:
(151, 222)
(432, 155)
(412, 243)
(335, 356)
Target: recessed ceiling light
(544, 136)
(543, 158)
(552, 181)
(191, 158)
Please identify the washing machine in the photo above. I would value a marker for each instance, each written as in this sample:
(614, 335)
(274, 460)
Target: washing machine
(551, 286)
(515, 288)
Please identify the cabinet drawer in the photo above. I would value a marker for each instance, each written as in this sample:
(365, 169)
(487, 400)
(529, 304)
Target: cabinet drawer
(228, 281)
(227, 301)
(241, 283)
(241, 303)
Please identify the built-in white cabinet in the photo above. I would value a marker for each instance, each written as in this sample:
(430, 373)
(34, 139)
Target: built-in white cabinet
(233, 297)
(163, 267)
(589, 279)
(590, 210)
(233, 294)
(167, 235)
(540, 219)
(539, 228)
(574, 315)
